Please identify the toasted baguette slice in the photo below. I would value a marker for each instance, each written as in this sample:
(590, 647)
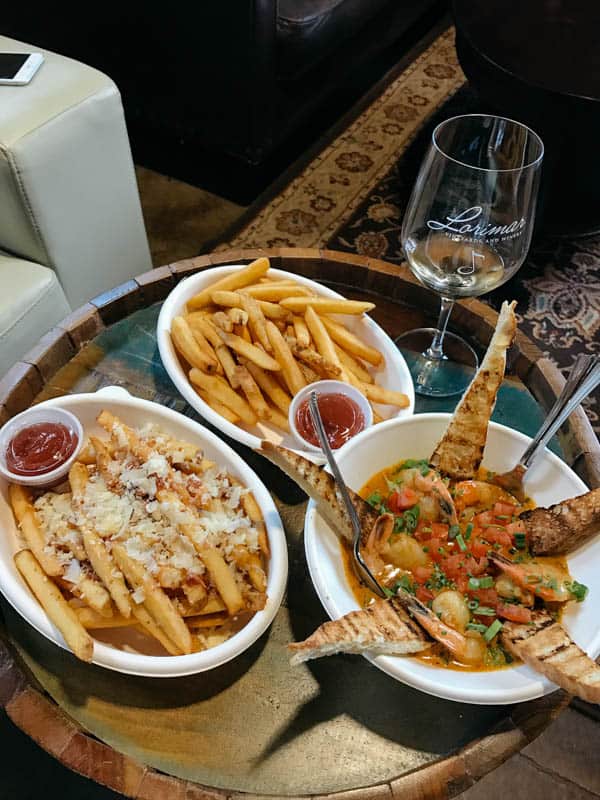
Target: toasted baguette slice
(546, 646)
(460, 451)
(563, 527)
(320, 485)
(384, 628)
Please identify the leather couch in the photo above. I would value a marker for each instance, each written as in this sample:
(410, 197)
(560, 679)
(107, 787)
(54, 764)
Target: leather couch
(235, 78)
(71, 224)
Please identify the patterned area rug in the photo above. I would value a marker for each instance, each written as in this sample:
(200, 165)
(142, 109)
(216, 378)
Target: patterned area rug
(352, 196)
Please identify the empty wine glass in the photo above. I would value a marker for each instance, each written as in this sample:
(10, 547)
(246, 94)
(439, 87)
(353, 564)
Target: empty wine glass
(466, 230)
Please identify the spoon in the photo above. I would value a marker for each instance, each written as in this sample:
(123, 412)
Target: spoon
(583, 378)
(362, 570)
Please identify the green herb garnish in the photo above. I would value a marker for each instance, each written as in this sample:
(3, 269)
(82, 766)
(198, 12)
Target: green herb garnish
(476, 626)
(453, 531)
(468, 531)
(492, 630)
(578, 590)
(486, 611)
(461, 542)
(520, 542)
(481, 583)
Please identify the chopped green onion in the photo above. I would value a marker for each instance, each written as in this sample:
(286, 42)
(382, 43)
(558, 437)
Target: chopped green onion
(520, 542)
(476, 626)
(374, 499)
(473, 583)
(578, 590)
(501, 516)
(492, 630)
(486, 611)
(405, 583)
(481, 583)
(453, 531)
(468, 531)
(388, 592)
(472, 604)
(461, 542)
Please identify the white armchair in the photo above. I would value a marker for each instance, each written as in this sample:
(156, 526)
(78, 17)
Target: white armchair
(71, 224)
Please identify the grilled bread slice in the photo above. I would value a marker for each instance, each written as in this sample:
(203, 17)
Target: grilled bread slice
(563, 527)
(384, 628)
(320, 485)
(460, 451)
(546, 646)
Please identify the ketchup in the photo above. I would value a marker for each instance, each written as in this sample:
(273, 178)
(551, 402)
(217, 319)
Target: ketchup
(342, 419)
(40, 448)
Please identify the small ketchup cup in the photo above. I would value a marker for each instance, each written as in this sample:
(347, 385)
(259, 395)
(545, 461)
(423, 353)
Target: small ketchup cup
(35, 416)
(327, 387)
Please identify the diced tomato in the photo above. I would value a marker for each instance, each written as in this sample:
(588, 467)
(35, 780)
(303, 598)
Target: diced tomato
(462, 583)
(486, 597)
(515, 527)
(484, 519)
(498, 535)
(422, 574)
(439, 530)
(402, 499)
(433, 549)
(423, 594)
(504, 509)
(479, 548)
(514, 613)
(452, 565)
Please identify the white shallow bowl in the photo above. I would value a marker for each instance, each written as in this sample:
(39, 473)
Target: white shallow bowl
(395, 374)
(548, 481)
(135, 412)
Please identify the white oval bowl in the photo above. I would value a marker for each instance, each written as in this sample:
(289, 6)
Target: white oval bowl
(548, 481)
(395, 374)
(134, 411)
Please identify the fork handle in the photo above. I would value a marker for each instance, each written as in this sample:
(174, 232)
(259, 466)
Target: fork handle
(583, 379)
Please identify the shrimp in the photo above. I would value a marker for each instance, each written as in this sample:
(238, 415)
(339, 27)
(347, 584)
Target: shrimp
(433, 484)
(467, 648)
(480, 495)
(386, 550)
(545, 580)
(380, 532)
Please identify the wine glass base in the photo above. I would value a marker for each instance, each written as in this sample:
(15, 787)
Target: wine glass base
(443, 377)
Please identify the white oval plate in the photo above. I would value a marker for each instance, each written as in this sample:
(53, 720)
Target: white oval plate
(134, 411)
(395, 375)
(548, 481)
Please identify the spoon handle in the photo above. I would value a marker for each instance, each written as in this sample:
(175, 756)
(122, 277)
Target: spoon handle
(583, 378)
(365, 572)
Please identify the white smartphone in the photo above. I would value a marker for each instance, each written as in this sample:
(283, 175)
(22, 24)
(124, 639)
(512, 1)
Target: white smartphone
(17, 69)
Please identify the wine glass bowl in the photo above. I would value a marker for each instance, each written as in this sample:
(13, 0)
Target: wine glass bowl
(467, 229)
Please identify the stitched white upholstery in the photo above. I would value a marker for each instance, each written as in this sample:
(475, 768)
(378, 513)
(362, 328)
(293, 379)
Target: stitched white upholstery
(68, 194)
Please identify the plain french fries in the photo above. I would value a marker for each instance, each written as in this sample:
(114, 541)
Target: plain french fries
(234, 300)
(156, 602)
(274, 293)
(256, 321)
(301, 331)
(186, 345)
(199, 322)
(225, 412)
(326, 305)
(220, 391)
(351, 343)
(54, 604)
(279, 419)
(250, 351)
(322, 366)
(352, 364)
(20, 500)
(238, 316)
(323, 342)
(291, 371)
(253, 393)
(223, 321)
(377, 394)
(269, 385)
(230, 283)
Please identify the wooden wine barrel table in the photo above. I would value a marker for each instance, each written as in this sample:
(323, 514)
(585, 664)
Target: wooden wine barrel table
(335, 727)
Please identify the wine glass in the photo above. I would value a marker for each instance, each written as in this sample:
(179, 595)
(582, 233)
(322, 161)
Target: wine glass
(466, 230)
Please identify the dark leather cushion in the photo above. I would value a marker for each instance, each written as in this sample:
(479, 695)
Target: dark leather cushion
(309, 30)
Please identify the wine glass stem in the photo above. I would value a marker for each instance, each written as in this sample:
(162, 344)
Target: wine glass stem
(435, 350)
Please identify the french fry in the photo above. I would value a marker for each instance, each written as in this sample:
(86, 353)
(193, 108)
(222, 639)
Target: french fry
(223, 321)
(207, 621)
(228, 363)
(97, 553)
(351, 364)
(291, 372)
(256, 321)
(91, 620)
(322, 366)
(351, 343)
(143, 616)
(250, 351)
(220, 391)
(156, 601)
(20, 500)
(199, 322)
(222, 577)
(278, 293)
(252, 509)
(323, 342)
(279, 420)
(186, 345)
(377, 394)
(253, 393)
(269, 385)
(94, 594)
(301, 331)
(54, 604)
(236, 280)
(310, 376)
(238, 316)
(233, 300)
(251, 564)
(326, 305)
(225, 412)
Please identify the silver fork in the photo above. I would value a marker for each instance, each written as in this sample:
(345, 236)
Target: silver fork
(583, 379)
(361, 569)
